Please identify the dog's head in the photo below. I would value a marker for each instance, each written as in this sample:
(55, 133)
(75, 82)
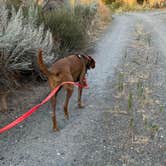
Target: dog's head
(91, 62)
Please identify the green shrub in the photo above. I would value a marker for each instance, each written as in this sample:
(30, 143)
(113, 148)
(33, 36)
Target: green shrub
(156, 5)
(15, 3)
(86, 14)
(116, 5)
(108, 2)
(70, 26)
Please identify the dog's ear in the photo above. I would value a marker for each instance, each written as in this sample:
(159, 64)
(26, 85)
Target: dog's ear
(92, 62)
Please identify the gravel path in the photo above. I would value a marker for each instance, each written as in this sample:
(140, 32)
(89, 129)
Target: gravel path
(95, 135)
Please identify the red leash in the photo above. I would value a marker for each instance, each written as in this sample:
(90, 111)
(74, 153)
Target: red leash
(34, 109)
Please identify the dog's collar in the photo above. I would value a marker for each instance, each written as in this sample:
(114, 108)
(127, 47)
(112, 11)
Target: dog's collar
(82, 56)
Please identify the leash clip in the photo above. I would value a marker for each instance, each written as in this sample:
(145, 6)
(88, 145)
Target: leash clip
(79, 56)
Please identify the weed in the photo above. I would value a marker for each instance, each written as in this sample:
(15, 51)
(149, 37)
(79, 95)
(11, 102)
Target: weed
(120, 81)
(161, 108)
(146, 122)
(154, 128)
(125, 56)
(148, 39)
(130, 101)
(131, 124)
(140, 88)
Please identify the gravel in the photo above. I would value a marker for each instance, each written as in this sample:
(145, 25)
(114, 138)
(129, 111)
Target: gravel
(101, 134)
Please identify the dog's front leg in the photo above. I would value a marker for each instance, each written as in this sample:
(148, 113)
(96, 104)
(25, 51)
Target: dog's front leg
(82, 82)
(53, 103)
(80, 104)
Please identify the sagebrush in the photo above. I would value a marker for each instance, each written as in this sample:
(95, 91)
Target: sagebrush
(20, 39)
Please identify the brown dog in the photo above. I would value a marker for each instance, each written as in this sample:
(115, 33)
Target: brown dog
(71, 68)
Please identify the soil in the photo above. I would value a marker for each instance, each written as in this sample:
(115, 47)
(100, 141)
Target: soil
(123, 122)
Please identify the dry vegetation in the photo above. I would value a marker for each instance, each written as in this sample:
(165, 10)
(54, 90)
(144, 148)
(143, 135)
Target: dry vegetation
(120, 6)
(134, 89)
(26, 27)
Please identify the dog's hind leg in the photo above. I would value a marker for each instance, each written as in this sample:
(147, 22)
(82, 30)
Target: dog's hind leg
(53, 103)
(68, 95)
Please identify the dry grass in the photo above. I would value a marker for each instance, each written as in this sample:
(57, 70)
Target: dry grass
(133, 91)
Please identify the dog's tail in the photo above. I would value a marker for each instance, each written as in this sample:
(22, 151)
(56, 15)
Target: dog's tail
(41, 64)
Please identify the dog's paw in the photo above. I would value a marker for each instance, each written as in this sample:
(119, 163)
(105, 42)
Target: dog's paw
(67, 117)
(81, 105)
(55, 129)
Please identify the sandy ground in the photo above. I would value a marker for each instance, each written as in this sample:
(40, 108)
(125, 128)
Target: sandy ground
(123, 122)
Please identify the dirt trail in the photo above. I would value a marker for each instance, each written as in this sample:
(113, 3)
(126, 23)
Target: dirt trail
(93, 135)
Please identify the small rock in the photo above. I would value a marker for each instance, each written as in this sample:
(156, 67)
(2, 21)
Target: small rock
(2, 158)
(58, 154)
(90, 106)
(74, 160)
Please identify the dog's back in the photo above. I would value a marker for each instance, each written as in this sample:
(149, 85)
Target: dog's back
(70, 65)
